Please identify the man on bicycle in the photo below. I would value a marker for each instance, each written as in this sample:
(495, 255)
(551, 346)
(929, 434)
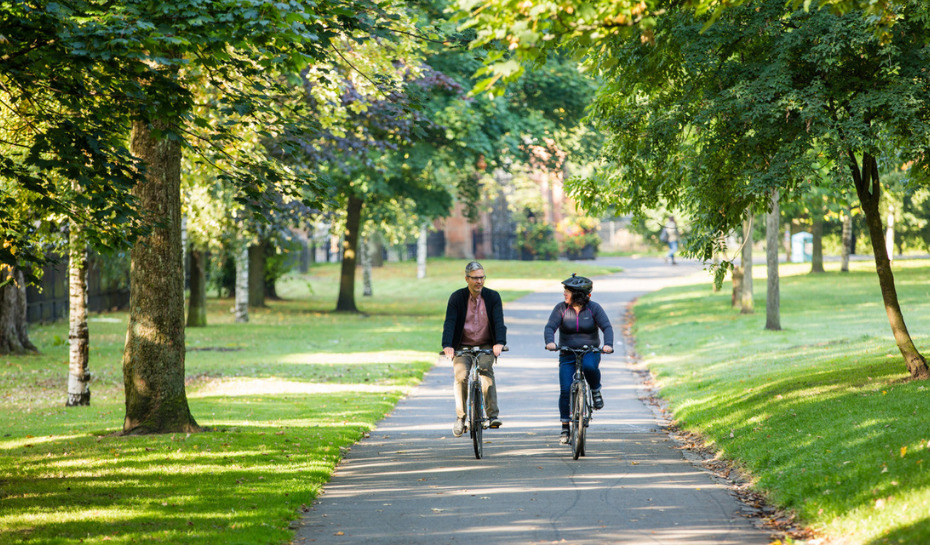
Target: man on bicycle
(577, 319)
(474, 317)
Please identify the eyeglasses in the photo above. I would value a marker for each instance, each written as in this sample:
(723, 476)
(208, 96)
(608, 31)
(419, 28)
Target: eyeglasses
(476, 278)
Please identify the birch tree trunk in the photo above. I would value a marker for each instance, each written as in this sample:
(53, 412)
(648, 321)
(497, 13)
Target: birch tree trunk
(868, 187)
(197, 305)
(421, 252)
(78, 333)
(365, 247)
(847, 240)
(746, 304)
(153, 360)
(242, 284)
(772, 294)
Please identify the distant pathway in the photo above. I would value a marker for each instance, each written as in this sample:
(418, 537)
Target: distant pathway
(411, 482)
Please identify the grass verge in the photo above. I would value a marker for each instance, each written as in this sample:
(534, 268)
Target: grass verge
(820, 414)
(283, 395)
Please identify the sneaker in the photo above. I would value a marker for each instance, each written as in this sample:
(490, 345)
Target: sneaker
(459, 427)
(563, 437)
(495, 423)
(598, 400)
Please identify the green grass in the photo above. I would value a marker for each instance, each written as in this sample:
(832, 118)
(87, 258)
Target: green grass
(282, 396)
(820, 414)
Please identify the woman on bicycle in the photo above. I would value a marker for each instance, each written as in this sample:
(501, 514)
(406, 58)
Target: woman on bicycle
(577, 319)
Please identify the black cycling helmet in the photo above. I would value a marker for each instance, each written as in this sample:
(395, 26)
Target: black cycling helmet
(578, 283)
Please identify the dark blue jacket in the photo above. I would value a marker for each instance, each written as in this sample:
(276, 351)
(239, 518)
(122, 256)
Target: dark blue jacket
(577, 330)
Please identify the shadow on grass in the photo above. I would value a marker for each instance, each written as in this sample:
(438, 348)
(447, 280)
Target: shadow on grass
(906, 535)
(826, 442)
(243, 482)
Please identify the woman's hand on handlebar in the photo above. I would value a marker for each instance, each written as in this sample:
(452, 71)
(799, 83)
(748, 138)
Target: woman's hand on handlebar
(607, 349)
(551, 346)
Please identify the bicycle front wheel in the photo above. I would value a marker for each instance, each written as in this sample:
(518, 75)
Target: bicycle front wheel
(475, 420)
(577, 432)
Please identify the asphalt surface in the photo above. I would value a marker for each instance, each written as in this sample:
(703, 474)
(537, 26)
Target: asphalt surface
(412, 482)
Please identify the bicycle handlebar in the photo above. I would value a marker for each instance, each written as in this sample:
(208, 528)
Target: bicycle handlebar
(475, 351)
(583, 349)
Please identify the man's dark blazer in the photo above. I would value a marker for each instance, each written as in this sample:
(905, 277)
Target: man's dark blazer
(454, 325)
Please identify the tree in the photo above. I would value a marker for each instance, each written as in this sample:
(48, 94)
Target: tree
(697, 107)
(525, 32)
(773, 294)
(153, 359)
(746, 302)
(104, 64)
(14, 333)
(78, 332)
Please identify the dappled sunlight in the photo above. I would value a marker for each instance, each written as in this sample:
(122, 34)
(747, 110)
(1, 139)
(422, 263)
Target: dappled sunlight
(9, 444)
(358, 358)
(241, 386)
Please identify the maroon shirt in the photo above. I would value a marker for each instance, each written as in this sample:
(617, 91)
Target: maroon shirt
(477, 331)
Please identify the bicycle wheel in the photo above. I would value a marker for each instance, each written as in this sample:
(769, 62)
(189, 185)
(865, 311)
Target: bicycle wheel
(577, 432)
(474, 417)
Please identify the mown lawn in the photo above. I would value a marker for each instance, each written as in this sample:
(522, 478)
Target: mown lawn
(281, 396)
(820, 414)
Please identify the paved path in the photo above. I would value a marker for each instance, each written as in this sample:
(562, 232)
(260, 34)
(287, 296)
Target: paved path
(412, 482)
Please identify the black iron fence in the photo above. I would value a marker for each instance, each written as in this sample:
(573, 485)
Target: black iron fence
(107, 289)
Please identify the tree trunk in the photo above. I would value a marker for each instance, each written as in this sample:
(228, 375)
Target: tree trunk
(817, 243)
(153, 360)
(271, 289)
(421, 252)
(746, 304)
(788, 242)
(868, 187)
(889, 236)
(366, 267)
(773, 297)
(78, 334)
(847, 240)
(14, 331)
(346, 301)
(242, 284)
(736, 275)
(257, 274)
(197, 306)
(376, 251)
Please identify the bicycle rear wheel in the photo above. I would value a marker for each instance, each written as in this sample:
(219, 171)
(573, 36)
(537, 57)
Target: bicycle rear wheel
(577, 432)
(475, 421)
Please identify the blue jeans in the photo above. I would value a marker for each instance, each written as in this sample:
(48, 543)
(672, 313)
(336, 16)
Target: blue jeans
(672, 248)
(589, 367)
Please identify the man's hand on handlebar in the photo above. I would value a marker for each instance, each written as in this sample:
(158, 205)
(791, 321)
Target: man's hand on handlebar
(448, 351)
(497, 348)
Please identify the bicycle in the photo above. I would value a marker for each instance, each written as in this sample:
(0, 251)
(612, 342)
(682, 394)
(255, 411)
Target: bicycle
(581, 404)
(476, 420)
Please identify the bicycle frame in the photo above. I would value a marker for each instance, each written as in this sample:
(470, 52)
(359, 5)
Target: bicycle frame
(477, 421)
